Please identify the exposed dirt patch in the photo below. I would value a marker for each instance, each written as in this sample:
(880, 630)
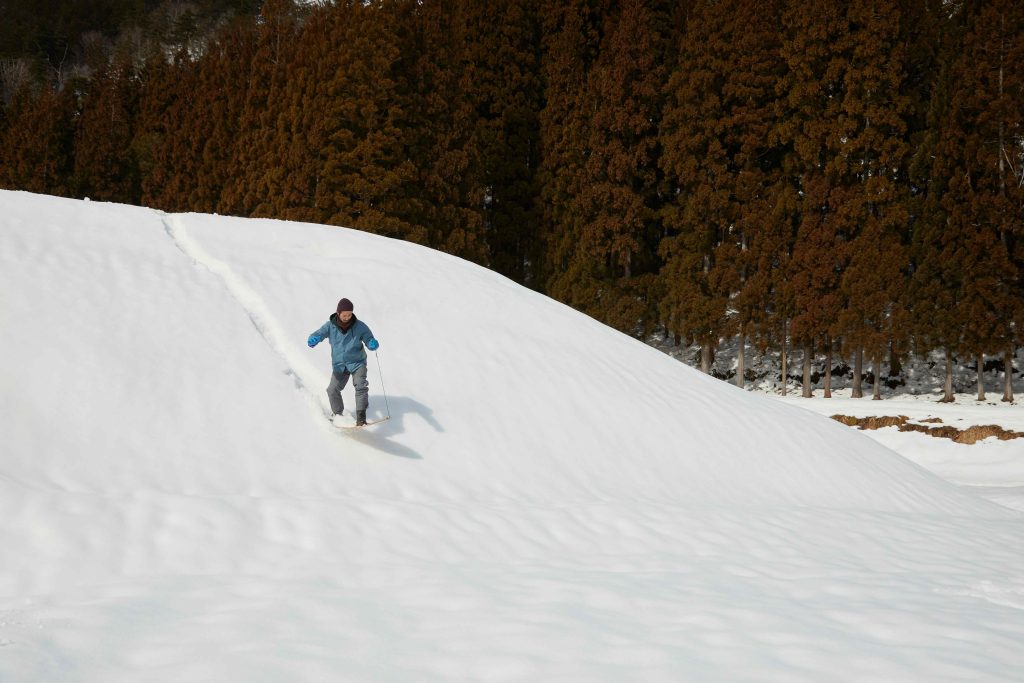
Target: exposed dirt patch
(970, 435)
(873, 422)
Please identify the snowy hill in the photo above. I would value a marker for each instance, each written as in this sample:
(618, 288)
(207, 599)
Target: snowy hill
(550, 500)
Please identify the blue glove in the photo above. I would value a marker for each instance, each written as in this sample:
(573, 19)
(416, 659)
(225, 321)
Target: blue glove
(373, 344)
(313, 340)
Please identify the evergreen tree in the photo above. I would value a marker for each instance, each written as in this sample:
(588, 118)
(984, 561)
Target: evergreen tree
(104, 161)
(871, 163)
(442, 119)
(570, 42)
(159, 96)
(847, 122)
(982, 139)
(217, 105)
(36, 148)
(720, 165)
(763, 232)
(812, 128)
(612, 270)
(282, 132)
(935, 285)
(364, 172)
(501, 79)
(699, 252)
(191, 130)
(171, 145)
(259, 182)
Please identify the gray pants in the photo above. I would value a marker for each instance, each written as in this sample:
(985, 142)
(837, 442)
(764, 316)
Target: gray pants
(338, 382)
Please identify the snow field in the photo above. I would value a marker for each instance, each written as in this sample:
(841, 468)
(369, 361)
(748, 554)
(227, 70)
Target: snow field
(551, 500)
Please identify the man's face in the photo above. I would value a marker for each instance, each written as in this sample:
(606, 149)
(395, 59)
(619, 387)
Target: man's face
(345, 316)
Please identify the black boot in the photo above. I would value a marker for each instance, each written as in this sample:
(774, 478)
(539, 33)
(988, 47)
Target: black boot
(360, 418)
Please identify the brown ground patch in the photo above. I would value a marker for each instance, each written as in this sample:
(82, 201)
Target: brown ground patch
(965, 436)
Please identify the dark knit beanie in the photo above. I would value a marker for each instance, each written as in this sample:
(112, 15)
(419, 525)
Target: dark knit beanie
(344, 305)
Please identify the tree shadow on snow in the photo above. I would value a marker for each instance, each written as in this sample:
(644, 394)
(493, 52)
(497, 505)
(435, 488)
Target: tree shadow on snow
(377, 436)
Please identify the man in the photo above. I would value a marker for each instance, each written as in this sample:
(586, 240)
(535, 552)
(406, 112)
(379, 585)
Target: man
(347, 335)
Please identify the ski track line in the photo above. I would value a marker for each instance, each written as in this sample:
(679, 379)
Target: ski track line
(254, 306)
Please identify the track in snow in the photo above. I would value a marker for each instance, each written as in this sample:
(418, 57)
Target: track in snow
(296, 367)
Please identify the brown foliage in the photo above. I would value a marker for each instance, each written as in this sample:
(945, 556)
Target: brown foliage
(844, 173)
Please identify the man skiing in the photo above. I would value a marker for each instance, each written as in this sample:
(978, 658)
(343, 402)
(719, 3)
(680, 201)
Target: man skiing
(347, 335)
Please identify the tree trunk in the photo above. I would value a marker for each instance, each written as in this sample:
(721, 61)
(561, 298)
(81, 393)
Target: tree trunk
(981, 377)
(947, 394)
(707, 357)
(741, 360)
(1008, 375)
(877, 393)
(858, 372)
(785, 381)
(828, 369)
(895, 367)
(808, 355)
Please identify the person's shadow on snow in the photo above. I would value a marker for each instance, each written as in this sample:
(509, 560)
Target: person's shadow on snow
(401, 407)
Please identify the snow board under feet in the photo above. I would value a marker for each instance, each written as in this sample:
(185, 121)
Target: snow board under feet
(352, 425)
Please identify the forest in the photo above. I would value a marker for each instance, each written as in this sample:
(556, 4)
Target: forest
(837, 180)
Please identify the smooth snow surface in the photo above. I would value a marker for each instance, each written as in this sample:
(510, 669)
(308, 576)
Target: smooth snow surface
(550, 500)
(994, 468)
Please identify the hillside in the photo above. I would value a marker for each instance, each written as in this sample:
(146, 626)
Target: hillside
(550, 499)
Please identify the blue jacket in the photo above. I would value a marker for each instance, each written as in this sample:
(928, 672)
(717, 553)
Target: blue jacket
(346, 347)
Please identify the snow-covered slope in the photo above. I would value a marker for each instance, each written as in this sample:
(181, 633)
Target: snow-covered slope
(549, 500)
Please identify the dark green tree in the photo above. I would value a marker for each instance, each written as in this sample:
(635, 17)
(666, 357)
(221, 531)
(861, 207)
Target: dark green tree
(36, 148)
(261, 180)
(612, 271)
(720, 166)
(982, 137)
(870, 163)
(846, 118)
(105, 166)
(449, 188)
(501, 77)
(935, 284)
(570, 42)
(364, 173)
